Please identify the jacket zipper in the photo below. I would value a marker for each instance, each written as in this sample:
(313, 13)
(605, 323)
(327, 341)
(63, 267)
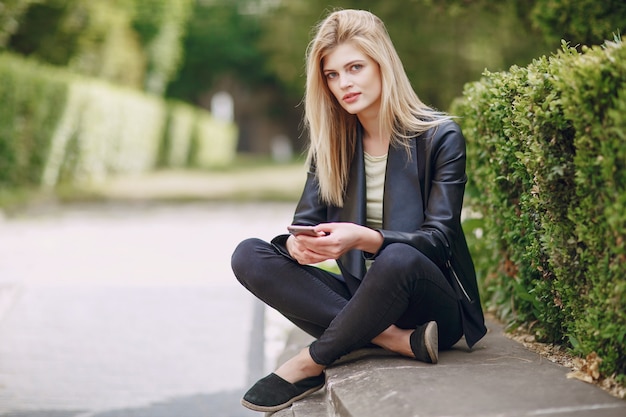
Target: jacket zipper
(449, 265)
(456, 277)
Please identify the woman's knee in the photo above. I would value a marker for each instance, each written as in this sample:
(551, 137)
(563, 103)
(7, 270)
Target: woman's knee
(244, 259)
(402, 257)
(402, 266)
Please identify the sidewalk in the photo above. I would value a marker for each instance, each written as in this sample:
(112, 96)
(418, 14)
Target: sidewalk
(498, 378)
(116, 307)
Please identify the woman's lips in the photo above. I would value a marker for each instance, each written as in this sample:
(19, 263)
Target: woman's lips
(350, 97)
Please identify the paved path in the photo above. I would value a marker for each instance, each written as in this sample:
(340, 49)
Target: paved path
(132, 310)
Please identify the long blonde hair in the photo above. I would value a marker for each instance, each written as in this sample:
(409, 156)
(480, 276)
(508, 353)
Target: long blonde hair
(332, 130)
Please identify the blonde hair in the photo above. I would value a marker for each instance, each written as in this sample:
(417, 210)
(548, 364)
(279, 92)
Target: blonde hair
(332, 130)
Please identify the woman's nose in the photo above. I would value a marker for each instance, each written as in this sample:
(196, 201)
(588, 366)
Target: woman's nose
(345, 81)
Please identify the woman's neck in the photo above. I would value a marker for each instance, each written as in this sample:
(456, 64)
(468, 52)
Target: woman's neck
(375, 141)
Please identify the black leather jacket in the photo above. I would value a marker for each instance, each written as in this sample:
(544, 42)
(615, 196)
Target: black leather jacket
(421, 207)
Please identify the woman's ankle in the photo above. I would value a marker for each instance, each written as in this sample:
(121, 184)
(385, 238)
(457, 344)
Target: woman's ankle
(396, 340)
(299, 367)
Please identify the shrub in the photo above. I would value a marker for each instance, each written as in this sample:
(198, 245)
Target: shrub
(104, 130)
(194, 138)
(547, 160)
(32, 105)
(215, 142)
(176, 144)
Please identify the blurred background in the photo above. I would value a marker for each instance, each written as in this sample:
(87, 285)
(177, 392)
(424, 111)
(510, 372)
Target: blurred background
(140, 140)
(253, 50)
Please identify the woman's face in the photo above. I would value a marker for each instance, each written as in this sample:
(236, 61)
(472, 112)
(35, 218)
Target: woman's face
(354, 79)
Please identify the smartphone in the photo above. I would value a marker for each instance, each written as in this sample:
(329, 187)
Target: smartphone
(296, 229)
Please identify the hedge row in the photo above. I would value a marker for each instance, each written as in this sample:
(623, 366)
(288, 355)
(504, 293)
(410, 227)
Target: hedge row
(547, 166)
(60, 128)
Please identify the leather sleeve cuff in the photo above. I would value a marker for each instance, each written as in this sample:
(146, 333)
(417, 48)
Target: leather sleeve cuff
(280, 244)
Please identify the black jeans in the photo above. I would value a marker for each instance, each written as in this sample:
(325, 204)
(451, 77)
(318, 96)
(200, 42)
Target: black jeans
(402, 287)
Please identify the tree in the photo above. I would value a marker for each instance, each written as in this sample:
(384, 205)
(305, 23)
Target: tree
(222, 53)
(580, 22)
(221, 40)
(161, 25)
(10, 13)
(131, 42)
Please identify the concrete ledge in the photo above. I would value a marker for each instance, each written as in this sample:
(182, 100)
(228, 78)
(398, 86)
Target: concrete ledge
(499, 377)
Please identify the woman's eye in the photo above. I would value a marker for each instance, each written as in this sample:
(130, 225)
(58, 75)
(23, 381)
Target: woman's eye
(331, 75)
(357, 67)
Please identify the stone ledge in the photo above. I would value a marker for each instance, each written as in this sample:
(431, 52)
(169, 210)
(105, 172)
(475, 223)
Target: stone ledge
(499, 377)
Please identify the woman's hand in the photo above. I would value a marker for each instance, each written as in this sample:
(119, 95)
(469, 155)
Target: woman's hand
(335, 239)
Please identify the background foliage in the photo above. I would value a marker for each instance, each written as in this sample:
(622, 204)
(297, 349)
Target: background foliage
(221, 41)
(254, 49)
(136, 43)
(25, 120)
(580, 22)
(58, 127)
(186, 47)
(439, 48)
(547, 158)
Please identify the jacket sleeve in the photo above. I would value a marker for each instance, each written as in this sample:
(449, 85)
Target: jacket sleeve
(444, 186)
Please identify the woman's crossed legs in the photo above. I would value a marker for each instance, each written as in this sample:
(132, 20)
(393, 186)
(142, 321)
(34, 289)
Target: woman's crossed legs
(401, 290)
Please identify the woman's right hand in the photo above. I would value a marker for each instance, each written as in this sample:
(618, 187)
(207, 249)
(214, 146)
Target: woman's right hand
(299, 251)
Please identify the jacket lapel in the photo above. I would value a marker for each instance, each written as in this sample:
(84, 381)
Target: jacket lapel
(403, 205)
(354, 201)
(354, 209)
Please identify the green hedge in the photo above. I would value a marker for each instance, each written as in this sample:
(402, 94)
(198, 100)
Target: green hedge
(32, 104)
(104, 130)
(547, 166)
(196, 139)
(212, 142)
(56, 127)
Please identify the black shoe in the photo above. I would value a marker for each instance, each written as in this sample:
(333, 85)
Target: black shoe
(273, 393)
(425, 342)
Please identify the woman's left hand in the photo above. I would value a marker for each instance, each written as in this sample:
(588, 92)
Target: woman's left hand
(340, 238)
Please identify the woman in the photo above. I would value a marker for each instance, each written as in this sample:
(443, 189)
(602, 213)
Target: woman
(384, 194)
